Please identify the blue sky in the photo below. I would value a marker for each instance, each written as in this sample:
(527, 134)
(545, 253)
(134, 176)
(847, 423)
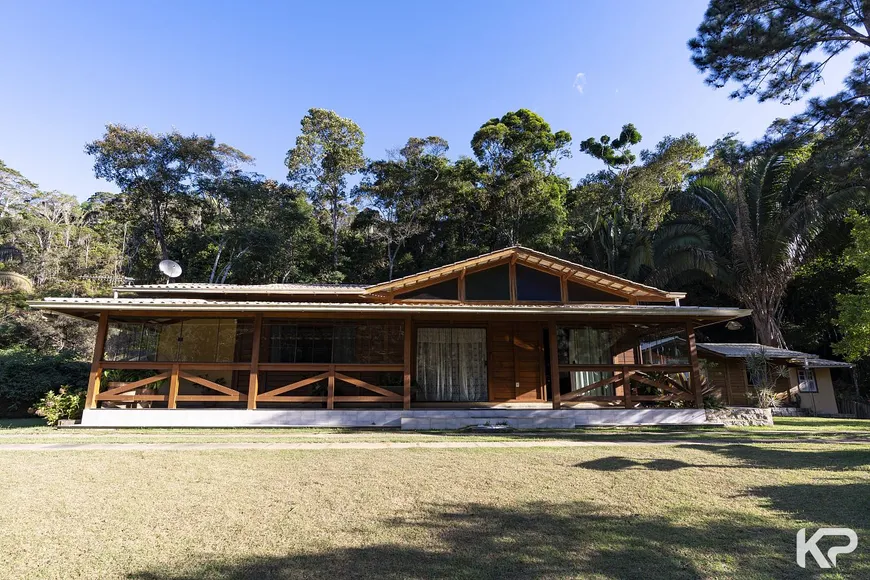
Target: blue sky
(246, 72)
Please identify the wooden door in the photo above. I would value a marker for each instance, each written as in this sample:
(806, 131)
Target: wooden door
(516, 362)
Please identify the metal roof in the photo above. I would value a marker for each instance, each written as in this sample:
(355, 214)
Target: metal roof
(523, 256)
(78, 305)
(742, 350)
(526, 256)
(205, 288)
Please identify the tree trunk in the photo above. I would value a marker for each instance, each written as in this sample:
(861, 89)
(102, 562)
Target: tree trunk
(765, 318)
(335, 230)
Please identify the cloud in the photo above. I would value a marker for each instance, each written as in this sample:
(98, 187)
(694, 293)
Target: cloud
(580, 82)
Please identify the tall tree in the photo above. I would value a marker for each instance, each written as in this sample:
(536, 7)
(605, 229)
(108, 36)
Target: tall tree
(518, 155)
(750, 239)
(779, 49)
(159, 172)
(329, 149)
(15, 189)
(403, 188)
(614, 212)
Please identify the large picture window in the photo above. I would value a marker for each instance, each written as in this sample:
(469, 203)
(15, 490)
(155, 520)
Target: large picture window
(328, 342)
(219, 340)
(451, 364)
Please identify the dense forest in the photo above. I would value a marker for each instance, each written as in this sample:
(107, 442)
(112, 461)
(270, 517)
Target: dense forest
(779, 225)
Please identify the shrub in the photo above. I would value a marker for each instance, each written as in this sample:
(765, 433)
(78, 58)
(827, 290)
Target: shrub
(68, 403)
(26, 376)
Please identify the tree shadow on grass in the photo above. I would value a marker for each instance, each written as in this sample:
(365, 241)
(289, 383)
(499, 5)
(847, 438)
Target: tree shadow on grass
(538, 540)
(764, 457)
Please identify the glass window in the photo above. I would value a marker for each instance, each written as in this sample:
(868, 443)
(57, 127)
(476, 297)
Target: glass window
(807, 381)
(447, 290)
(623, 344)
(536, 286)
(451, 364)
(492, 284)
(179, 340)
(327, 342)
(583, 293)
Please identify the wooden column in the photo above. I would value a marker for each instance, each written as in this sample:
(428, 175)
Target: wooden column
(460, 288)
(173, 387)
(626, 387)
(406, 380)
(555, 395)
(696, 368)
(254, 380)
(330, 388)
(96, 362)
(513, 279)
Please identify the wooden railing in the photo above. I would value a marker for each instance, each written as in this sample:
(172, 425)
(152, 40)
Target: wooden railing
(125, 391)
(622, 376)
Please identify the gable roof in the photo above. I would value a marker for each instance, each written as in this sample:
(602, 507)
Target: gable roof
(742, 350)
(532, 258)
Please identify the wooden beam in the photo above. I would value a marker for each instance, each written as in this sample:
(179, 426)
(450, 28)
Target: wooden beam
(173, 388)
(132, 386)
(406, 370)
(96, 372)
(696, 368)
(461, 287)
(364, 385)
(254, 378)
(208, 384)
(293, 386)
(555, 384)
(330, 388)
(626, 387)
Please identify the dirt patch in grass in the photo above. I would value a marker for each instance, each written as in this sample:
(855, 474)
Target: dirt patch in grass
(679, 511)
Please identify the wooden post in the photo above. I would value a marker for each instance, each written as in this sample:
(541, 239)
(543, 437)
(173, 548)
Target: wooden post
(406, 381)
(563, 289)
(626, 387)
(96, 366)
(330, 388)
(555, 395)
(513, 279)
(460, 288)
(173, 388)
(254, 380)
(696, 369)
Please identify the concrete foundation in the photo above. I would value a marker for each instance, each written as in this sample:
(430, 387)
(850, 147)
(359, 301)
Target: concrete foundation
(411, 420)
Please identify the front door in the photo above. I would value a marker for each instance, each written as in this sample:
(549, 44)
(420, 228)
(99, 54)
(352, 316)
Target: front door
(516, 362)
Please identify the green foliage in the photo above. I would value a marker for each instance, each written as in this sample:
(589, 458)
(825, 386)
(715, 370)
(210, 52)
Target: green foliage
(749, 236)
(854, 308)
(329, 149)
(160, 174)
(26, 376)
(771, 47)
(67, 403)
(523, 199)
(615, 211)
(763, 375)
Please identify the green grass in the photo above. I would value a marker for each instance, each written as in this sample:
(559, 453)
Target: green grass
(20, 431)
(674, 511)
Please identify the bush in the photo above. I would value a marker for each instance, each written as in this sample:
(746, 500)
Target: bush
(26, 376)
(68, 403)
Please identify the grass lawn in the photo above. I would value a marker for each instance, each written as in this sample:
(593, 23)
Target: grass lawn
(643, 511)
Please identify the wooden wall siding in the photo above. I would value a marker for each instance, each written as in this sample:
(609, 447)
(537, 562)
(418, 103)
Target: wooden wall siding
(516, 372)
(737, 382)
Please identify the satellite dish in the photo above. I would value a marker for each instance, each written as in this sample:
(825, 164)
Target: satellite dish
(170, 268)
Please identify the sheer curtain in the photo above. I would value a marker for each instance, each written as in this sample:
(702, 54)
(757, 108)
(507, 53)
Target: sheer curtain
(590, 346)
(451, 364)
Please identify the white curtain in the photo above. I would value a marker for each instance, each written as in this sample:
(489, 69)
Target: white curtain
(592, 346)
(451, 364)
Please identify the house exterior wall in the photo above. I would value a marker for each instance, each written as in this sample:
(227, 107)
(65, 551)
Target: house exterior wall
(825, 401)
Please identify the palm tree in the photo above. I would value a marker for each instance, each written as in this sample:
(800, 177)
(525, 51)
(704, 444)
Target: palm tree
(748, 236)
